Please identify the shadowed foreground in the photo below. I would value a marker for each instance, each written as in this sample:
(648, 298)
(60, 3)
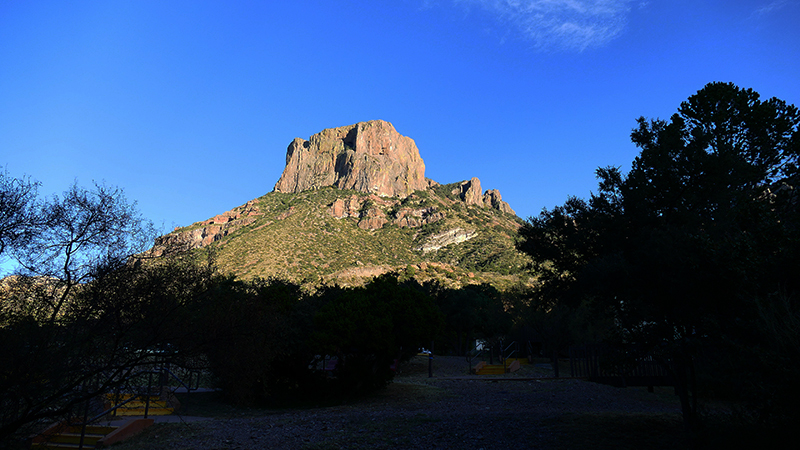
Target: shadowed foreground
(421, 412)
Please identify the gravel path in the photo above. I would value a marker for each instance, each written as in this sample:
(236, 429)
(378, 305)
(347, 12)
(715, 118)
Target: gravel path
(418, 412)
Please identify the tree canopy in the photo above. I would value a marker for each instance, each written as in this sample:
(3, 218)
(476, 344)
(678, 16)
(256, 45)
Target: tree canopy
(18, 211)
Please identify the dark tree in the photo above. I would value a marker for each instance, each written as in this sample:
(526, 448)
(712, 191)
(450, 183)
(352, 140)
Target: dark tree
(86, 310)
(681, 251)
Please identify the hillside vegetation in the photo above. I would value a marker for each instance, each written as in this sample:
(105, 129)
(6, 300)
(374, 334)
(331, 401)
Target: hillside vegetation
(297, 237)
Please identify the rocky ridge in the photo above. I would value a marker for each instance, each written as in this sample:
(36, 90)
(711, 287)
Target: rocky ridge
(208, 231)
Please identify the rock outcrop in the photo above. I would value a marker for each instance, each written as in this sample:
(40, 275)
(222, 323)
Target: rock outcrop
(353, 203)
(370, 157)
(454, 236)
(470, 192)
(370, 212)
(346, 207)
(493, 199)
(417, 217)
(373, 218)
(208, 231)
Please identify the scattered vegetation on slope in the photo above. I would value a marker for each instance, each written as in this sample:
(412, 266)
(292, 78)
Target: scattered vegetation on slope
(296, 237)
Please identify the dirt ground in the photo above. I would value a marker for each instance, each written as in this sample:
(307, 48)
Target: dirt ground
(451, 410)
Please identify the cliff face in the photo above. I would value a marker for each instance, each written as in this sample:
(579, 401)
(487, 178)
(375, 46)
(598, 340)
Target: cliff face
(370, 157)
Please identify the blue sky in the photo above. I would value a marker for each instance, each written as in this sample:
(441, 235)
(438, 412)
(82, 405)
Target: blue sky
(189, 105)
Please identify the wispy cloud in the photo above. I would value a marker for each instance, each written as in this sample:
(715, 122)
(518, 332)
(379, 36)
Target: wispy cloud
(771, 7)
(560, 24)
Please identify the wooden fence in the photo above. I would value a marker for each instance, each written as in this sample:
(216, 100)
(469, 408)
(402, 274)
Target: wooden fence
(604, 364)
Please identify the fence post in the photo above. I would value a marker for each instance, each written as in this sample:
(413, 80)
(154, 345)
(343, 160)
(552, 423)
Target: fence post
(571, 362)
(147, 394)
(430, 362)
(85, 417)
(555, 362)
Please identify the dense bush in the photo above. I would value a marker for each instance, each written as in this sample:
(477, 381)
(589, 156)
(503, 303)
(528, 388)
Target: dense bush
(253, 335)
(266, 339)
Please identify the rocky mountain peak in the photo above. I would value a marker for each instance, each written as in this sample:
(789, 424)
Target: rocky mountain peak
(370, 157)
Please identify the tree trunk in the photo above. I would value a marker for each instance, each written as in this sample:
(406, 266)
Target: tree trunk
(683, 372)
